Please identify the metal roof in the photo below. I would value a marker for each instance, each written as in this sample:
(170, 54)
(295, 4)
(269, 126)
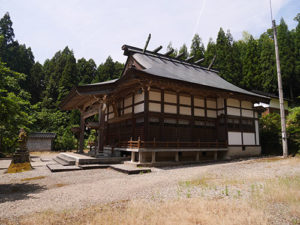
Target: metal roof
(183, 71)
(42, 135)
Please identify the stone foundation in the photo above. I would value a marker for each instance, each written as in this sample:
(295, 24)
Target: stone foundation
(238, 152)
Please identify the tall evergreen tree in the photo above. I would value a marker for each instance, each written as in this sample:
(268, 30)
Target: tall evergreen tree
(86, 70)
(287, 60)
(267, 79)
(296, 35)
(197, 48)
(6, 29)
(250, 59)
(183, 49)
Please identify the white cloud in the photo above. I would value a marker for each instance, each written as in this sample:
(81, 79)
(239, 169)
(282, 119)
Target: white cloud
(96, 29)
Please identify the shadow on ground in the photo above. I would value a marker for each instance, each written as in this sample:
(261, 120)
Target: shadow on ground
(13, 192)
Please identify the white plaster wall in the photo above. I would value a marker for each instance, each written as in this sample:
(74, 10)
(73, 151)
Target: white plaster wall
(237, 151)
(212, 113)
(199, 112)
(257, 132)
(138, 97)
(199, 102)
(233, 102)
(247, 105)
(185, 100)
(234, 138)
(220, 103)
(274, 103)
(139, 108)
(247, 113)
(172, 98)
(128, 110)
(155, 95)
(128, 101)
(233, 111)
(249, 138)
(211, 104)
(220, 112)
(154, 107)
(170, 108)
(185, 110)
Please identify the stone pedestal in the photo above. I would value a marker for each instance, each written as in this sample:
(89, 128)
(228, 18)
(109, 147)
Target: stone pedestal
(21, 159)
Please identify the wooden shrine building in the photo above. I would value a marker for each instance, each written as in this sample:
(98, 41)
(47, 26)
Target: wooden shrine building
(167, 109)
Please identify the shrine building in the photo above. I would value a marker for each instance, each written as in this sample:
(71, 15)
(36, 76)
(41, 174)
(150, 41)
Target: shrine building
(165, 109)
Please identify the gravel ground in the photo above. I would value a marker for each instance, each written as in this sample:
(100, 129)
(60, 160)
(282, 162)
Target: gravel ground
(77, 189)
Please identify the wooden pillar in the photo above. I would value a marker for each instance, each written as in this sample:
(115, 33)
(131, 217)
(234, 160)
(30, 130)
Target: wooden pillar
(81, 136)
(141, 158)
(132, 156)
(197, 156)
(215, 155)
(146, 114)
(101, 128)
(153, 157)
(177, 156)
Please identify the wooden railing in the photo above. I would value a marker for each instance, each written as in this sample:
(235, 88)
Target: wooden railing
(171, 144)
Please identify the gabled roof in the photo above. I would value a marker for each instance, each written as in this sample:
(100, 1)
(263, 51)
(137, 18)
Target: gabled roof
(167, 67)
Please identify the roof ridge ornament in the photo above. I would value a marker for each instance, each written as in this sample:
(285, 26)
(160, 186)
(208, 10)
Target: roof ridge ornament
(147, 42)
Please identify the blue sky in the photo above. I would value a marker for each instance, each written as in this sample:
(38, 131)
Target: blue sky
(98, 28)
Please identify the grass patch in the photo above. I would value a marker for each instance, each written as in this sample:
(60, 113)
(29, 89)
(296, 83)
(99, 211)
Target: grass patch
(186, 211)
(33, 178)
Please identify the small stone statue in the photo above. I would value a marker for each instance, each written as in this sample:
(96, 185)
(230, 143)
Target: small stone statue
(21, 159)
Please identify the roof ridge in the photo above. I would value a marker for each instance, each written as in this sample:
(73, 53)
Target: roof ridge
(128, 48)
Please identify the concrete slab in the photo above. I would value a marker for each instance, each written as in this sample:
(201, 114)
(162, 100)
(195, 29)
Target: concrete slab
(60, 168)
(129, 169)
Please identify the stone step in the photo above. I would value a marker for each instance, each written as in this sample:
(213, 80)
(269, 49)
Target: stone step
(66, 158)
(129, 169)
(60, 168)
(61, 161)
(94, 166)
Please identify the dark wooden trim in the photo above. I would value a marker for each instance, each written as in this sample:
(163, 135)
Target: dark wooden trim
(146, 114)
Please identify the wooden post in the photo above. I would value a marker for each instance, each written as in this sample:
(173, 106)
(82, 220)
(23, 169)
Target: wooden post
(146, 114)
(197, 156)
(215, 155)
(176, 156)
(101, 128)
(132, 156)
(153, 157)
(81, 137)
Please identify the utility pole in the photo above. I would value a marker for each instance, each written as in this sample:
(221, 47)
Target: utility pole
(281, 102)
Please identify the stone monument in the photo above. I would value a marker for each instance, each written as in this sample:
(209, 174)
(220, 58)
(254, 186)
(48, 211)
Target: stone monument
(21, 160)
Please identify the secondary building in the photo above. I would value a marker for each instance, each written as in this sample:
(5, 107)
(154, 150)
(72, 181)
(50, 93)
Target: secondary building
(167, 109)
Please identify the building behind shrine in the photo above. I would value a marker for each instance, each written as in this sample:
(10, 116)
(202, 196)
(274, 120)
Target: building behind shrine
(167, 109)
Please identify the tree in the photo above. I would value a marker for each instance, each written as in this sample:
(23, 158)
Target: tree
(36, 82)
(250, 64)
(183, 49)
(287, 60)
(169, 48)
(296, 37)
(267, 76)
(86, 70)
(6, 29)
(14, 107)
(197, 48)
(109, 70)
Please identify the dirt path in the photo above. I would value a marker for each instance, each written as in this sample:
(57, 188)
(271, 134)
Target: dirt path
(41, 190)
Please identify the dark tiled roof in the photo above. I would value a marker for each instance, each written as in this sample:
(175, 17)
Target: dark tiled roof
(42, 135)
(167, 67)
